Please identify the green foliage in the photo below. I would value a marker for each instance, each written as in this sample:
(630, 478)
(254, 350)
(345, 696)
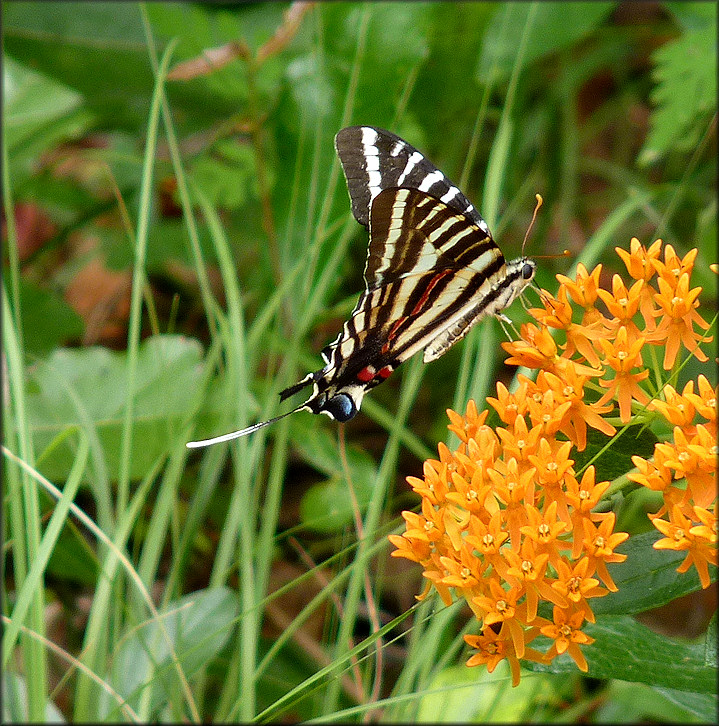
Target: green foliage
(88, 387)
(48, 321)
(193, 630)
(252, 264)
(686, 90)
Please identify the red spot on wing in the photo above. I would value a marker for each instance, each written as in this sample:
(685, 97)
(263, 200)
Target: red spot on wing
(385, 372)
(366, 374)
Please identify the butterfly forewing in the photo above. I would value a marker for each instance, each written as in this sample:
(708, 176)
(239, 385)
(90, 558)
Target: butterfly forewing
(374, 159)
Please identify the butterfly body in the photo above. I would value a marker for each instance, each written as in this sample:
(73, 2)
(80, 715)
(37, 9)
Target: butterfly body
(432, 272)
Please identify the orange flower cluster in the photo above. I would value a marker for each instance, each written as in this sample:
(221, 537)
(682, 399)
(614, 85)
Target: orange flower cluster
(690, 459)
(506, 522)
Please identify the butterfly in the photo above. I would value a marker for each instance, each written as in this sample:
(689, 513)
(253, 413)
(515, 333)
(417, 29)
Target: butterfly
(433, 271)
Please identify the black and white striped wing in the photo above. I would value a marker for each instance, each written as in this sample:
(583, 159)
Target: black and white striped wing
(433, 270)
(374, 159)
(429, 272)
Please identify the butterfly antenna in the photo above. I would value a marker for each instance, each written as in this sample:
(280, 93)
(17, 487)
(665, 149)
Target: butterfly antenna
(242, 432)
(531, 224)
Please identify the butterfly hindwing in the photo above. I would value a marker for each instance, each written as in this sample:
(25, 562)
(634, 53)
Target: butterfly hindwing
(427, 267)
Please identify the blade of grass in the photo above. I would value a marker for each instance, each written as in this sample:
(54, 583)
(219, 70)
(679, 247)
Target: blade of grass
(138, 276)
(182, 188)
(24, 513)
(34, 580)
(385, 477)
(481, 340)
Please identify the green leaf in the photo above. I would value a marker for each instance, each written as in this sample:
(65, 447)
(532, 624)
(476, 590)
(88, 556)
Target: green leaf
(64, 40)
(626, 702)
(629, 651)
(198, 625)
(227, 174)
(685, 94)
(646, 579)
(47, 320)
(473, 695)
(327, 506)
(72, 558)
(38, 113)
(617, 459)
(75, 386)
(703, 706)
(15, 701)
(694, 15)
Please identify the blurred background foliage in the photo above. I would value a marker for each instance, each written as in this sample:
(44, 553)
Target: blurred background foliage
(611, 117)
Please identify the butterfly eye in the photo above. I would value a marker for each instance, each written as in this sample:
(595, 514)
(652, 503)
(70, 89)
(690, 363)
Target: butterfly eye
(527, 271)
(341, 407)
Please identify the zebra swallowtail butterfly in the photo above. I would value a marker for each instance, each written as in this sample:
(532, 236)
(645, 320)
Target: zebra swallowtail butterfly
(433, 271)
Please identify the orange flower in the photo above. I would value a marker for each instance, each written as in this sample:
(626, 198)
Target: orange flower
(640, 267)
(584, 290)
(678, 305)
(673, 266)
(677, 409)
(505, 522)
(623, 303)
(622, 356)
(494, 646)
(575, 584)
(583, 497)
(567, 636)
(514, 490)
(706, 401)
(510, 405)
(580, 414)
(501, 607)
(467, 426)
(639, 259)
(527, 572)
(521, 442)
(600, 543)
(678, 535)
(544, 410)
(536, 349)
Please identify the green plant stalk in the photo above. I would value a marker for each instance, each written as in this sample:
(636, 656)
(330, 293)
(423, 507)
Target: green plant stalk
(182, 188)
(34, 580)
(569, 151)
(100, 481)
(240, 522)
(410, 385)
(500, 148)
(95, 642)
(321, 225)
(138, 278)
(24, 516)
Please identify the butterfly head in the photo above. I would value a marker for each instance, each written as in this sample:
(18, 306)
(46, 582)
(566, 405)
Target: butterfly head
(340, 404)
(519, 274)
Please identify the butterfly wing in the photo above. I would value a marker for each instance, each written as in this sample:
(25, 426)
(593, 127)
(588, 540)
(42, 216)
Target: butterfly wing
(427, 268)
(374, 159)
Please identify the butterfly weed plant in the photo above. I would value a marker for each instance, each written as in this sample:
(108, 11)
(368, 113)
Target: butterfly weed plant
(229, 585)
(510, 523)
